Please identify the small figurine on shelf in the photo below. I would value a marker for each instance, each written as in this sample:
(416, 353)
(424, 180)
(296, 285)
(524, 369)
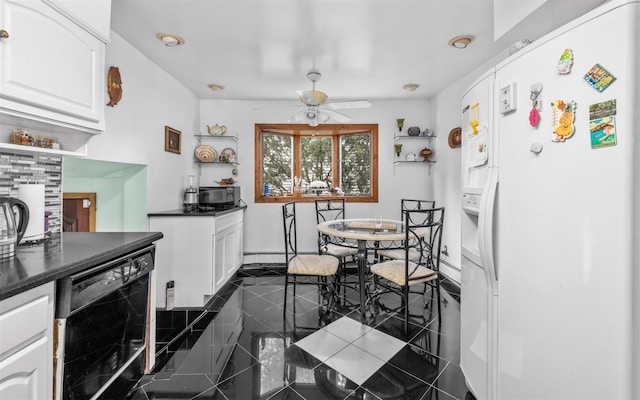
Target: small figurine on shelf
(400, 122)
(398, 148)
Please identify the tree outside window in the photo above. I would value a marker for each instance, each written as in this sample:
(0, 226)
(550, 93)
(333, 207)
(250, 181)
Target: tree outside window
(302, 163)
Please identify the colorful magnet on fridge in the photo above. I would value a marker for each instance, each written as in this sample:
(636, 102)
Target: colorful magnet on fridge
(536, 104)
(599, 78)
(563, 116)
(602, 124)
(534, 116)
(474, 118)
(566, 62)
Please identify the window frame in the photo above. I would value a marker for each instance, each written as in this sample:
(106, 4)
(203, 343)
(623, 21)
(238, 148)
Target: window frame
(299, 130)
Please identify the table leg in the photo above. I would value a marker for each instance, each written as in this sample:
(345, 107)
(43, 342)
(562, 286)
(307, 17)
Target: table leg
(362, 272)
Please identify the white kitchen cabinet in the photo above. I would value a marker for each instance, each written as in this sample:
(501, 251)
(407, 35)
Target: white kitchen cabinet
(227, 248)
(26, 347)
(52, 70)
(198, 252)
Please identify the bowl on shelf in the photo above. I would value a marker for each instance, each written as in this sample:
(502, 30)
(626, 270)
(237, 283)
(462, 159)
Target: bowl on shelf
(205, 153)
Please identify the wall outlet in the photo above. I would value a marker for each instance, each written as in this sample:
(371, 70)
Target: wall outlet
(508, 98)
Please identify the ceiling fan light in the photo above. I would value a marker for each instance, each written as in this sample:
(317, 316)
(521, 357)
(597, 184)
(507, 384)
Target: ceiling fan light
(311, 114)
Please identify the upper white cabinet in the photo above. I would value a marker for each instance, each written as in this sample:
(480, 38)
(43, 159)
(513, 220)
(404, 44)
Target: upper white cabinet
(93, 15)
(52, 69)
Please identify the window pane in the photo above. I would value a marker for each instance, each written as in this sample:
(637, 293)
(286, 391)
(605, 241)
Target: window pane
(277, 163)
(316, 164)
(355, 164)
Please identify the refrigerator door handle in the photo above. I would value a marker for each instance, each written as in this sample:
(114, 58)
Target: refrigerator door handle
(485, 230)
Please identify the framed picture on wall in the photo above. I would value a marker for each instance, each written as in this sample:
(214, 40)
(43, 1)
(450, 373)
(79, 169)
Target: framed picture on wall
(172, 140)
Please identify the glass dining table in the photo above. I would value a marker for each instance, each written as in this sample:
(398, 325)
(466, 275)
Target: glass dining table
(369, 234)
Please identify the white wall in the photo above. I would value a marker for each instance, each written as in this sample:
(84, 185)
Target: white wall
(263, 221)
(134, 131)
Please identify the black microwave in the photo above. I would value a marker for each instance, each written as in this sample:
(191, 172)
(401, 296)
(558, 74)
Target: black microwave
(216, 197)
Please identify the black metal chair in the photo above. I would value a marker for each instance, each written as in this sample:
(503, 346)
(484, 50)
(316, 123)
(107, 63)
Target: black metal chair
(331, 209)
(423, 234)
(398, 253)
(318, 266)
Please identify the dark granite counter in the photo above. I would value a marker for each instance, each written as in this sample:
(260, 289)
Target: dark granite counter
(182, 213)
(66, 254)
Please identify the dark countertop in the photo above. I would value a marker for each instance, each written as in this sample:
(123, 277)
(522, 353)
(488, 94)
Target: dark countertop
(182, 213)
(66, 254)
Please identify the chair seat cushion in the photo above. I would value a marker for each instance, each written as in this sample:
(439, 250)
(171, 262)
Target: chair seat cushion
(398, 254)
(341, 251)
(312, 264)
(394, 271)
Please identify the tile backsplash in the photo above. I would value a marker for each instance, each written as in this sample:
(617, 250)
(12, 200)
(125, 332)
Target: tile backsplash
(42, 168)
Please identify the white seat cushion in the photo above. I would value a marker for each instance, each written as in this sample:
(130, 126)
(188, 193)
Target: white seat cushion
(398, 254)
(311, 264)
(341, 251)
(394, 272)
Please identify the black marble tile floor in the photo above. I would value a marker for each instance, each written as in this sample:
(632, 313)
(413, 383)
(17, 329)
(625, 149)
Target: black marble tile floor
(242, 347)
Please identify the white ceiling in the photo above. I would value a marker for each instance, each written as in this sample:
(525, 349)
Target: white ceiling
(365, 49)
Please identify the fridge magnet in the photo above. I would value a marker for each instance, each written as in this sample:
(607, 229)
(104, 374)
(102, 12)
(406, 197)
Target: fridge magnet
(474, 120)
(566, 62)
(602, 125)
(114, 86)
(536, 104)
(599, 78)
(562, 119)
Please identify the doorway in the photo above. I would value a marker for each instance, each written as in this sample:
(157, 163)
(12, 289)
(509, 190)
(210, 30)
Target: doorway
(78, 212)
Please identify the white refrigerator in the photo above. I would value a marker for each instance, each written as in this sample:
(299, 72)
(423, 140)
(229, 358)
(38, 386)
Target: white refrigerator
(551, 221)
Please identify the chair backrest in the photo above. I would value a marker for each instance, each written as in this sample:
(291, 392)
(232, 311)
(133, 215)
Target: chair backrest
(328, 209)
(411, 204)
(427, 244)
(290, 233)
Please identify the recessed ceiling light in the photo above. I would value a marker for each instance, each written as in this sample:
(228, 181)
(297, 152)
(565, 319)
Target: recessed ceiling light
(410, 87)
(460, 42)
(169, 39)
(215, 87)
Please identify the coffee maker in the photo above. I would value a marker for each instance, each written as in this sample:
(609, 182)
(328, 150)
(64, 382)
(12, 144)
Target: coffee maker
(191, 195)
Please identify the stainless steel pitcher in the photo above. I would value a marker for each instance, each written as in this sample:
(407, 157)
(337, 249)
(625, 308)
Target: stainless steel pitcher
(12, 229)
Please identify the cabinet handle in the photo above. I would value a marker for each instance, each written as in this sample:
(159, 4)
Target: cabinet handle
(3, 34)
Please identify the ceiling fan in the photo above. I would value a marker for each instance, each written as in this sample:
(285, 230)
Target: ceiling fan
(317, 110)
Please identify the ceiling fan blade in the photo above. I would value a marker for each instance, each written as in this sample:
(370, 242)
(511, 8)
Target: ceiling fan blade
(337, 116)
(349, 104)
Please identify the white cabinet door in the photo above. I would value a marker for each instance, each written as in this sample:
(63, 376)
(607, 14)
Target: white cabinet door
(238, 241)
(51, 70)
(26, 344)
(222, 251)
(23, 375)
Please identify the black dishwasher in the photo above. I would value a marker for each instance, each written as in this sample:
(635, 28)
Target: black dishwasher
(102, 323)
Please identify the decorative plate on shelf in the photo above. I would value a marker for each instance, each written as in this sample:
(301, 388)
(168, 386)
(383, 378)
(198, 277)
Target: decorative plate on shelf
(228, 155)
(206, 153)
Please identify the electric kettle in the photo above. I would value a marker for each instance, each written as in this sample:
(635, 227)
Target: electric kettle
(11, 230)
